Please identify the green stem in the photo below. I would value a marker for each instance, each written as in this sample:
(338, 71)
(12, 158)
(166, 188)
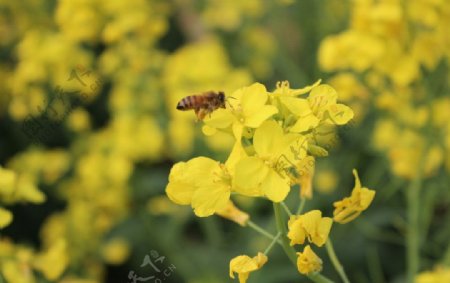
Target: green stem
(336, 263)
(413, 236)
(275, 240)
(286, 208)
(290, 252)
(262, 231)
(301, 206)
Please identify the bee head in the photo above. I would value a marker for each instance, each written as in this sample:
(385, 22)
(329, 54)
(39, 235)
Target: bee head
(222, 98)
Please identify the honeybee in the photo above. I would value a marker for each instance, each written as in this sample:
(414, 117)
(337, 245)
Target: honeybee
(203, 104)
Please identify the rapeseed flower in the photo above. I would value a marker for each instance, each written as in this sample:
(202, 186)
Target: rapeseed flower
(311, 226)
(320, 107)
(248, 108)
(54, 261)
(6, 217)
(351, 207)
(437, 275)
(262, 173)
(203, 183)
(308, 262)
(243, 265)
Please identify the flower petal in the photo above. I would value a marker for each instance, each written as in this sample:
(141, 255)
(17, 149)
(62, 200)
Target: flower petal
(209, 199)
(268, 139)
(340, 114)
(258, 117)
(253, 97)
(298, 106)
(275, 187)
(221, 118)
(250, 172)
(305, 123)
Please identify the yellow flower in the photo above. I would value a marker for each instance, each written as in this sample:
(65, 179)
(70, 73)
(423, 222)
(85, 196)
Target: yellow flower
(116, 251)
(320, 107)
(349, 208)
(326, 181)
(283, 89)
(7, 181)
(310, 225)
(54, 261)
(304, 173)
(243, 265)
(308, 262)
(234, 214)
(6, 217)
(262, 173)
(438, 275)
(248, 109)
(203, 183)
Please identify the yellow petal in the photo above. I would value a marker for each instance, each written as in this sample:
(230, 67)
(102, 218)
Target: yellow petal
(263, 113)
(306, 89)
(208, 130)
(275, 187)
(322, 231)
(221, 118)
(298, 106)
(340, 114)
(357, 181)
(268, 139)
(308, 262)
(185, 177)
(250, 172)
(305, 123)
(296, 233)
(238, 128)
(209, 199)
(179, 189)
(321, 97)
(253, 97)
(236, 154)
(365, 198)
(243, 265)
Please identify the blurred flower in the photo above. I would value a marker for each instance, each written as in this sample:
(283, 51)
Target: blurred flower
(7, 181)
(438, 275)
(243, 265)
(6, 217)
(326, 181)
(116, 251)
(308, 262)
(311, 226)
(351, 207)
(54, 261)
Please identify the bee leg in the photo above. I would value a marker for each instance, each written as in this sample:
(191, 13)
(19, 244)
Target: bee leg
(201, 114)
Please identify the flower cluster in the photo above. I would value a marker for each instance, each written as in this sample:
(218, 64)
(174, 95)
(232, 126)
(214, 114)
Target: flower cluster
(277, 137)
(395, 51)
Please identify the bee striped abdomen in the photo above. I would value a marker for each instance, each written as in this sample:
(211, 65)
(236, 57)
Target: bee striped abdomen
(187, 103)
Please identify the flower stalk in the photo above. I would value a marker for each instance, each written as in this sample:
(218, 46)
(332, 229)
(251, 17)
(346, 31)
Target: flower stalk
(288, 249)
(335, 261)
